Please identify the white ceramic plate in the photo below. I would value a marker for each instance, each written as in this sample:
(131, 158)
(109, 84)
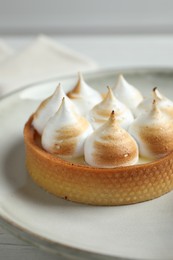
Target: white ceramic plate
(141, 231)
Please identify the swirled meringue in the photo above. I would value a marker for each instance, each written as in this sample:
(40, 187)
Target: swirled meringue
(48, 108)
(127, 93)
(163, 103)
(153, 132)
(83, 96)
(65, 132)
(101, 112)
(110, 146)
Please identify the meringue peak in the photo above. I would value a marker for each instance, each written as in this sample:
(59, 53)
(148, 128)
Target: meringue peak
(112, 121)
(155, 109)
(156, 94)
(122, 82)
(65, 109)
(101, 112)
(81, 88)
(110, 146)
(80, 76)
(84, 96)
(112, 117)
(153, 131)
(110, 95)
(59, 90)
(127, 93)
(65, 132)
(163, 103)
(65, 114)
(77, 89)
(105, 103)
(48, 108)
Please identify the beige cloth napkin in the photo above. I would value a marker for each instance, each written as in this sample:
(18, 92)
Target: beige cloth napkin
(42, 59)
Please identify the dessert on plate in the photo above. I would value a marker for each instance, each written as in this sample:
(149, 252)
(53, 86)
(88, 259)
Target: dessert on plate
(101, 150)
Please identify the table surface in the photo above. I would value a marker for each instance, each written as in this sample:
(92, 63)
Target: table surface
(107, 51)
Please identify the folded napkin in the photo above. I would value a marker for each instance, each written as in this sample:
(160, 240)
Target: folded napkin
(5, 51)
(42, 59)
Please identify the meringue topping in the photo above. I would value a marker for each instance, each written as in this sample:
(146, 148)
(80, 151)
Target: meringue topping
(48, 108)
(163, 103)
(83, 96)
(110, 146)
(153, 132)
(101, 112)
(127, 93)
(65, 132)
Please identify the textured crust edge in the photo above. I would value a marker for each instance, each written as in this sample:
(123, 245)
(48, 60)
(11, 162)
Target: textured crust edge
(96, 186)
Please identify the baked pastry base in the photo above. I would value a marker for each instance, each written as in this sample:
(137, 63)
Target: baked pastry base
(96, 186)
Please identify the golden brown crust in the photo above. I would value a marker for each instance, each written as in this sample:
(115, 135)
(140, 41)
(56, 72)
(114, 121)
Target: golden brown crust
(97, 186)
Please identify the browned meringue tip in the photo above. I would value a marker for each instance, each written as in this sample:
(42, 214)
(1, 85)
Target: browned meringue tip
(156, 94)
(56, 88)
(154, 103)
(109, 94)
(112, 117)
(154, 89)
(76, 89)
(155, 108)
(59, 84)
(80, 76)
(120, 77)
(62, 103)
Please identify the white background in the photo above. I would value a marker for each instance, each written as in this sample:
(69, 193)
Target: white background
(85, 17)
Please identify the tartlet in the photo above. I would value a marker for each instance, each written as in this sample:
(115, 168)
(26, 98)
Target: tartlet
(111, 182)
(86, 184)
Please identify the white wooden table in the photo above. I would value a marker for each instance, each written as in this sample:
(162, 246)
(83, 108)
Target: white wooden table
(108, 51)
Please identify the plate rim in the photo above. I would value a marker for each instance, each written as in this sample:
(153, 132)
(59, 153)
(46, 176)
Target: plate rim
(38, 240)
(97, 71)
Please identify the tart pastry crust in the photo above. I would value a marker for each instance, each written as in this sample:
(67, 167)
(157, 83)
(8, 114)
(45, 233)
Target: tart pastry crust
(96, 186)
